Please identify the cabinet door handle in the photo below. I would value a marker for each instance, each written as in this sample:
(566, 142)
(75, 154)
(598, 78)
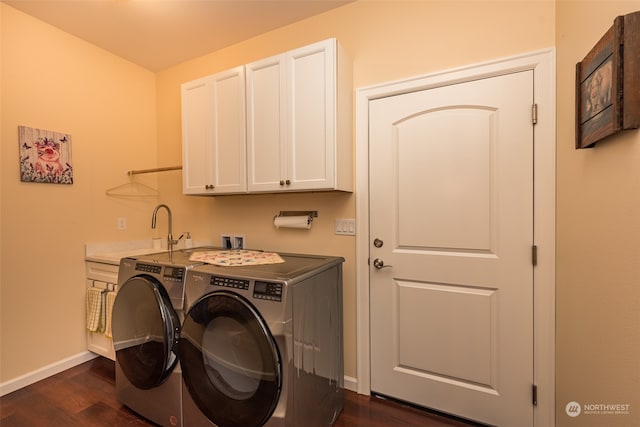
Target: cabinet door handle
(209, 187)
(288, 182)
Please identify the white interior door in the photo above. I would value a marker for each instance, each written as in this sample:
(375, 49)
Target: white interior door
(451, 230)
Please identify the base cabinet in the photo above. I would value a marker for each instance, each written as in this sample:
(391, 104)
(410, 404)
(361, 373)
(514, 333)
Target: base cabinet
(102, 277)
(297, 135)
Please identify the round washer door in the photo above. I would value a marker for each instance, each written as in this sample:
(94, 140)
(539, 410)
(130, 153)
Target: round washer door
(145, 330)
(230, 361)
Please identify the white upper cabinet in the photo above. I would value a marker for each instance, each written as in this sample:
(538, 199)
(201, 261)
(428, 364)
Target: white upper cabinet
(297, 135)
(299, 114)
(266, 130)
(213, 134)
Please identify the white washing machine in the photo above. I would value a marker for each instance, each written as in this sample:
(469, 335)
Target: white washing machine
(262, 345)
(147, 315)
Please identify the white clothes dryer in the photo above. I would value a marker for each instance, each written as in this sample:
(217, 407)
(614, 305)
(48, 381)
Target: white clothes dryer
(262, 345)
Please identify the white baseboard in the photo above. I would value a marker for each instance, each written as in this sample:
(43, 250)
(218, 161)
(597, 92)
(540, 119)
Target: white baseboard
(350, 383)
(45, 372)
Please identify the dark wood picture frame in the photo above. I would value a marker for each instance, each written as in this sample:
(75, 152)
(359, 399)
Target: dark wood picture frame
(598, 84)
(608, 84)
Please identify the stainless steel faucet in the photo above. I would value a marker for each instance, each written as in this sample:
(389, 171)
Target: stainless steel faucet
(170, 241)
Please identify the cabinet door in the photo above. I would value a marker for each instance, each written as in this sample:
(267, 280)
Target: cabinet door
(197, 135)
(266, 115)
(298, 131)
(214, 139)
(229, 137)
(311, 86)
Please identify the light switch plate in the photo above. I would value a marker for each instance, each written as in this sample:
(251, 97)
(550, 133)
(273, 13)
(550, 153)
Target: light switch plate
(345, 227)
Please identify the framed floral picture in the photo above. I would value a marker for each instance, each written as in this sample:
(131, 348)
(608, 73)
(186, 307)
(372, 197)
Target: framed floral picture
(45, 156)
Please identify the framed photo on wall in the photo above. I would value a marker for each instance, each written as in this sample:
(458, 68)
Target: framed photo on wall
(45, 156)
(599, 82)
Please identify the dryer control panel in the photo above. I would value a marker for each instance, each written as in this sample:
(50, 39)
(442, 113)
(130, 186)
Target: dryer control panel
(267, 290)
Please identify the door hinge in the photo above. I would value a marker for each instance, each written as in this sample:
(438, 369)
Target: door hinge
(534, 394)
(534, 114)
(534, 255)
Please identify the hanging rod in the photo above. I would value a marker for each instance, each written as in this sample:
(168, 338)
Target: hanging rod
(310, 214)
(168, 168)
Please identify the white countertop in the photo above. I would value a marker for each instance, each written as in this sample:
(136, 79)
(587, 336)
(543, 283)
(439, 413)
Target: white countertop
(112, 252)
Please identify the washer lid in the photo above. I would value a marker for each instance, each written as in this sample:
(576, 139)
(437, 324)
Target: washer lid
(295, 267)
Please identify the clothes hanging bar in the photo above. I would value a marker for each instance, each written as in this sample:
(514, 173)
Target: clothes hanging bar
(164, 169)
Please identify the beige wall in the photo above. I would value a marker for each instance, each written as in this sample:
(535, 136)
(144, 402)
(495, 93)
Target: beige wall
(51, 80)
(598, 242)
(386, 41)
(118, 114)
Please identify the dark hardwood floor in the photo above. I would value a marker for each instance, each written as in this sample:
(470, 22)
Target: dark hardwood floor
(85, 396)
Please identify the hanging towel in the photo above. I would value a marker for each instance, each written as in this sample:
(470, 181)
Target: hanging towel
(111, 298)
(94, 308)
(103, 312)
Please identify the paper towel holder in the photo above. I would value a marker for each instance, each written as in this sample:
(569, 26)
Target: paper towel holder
(309, 214)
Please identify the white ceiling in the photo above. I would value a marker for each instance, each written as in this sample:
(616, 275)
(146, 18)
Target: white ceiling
(158, 34)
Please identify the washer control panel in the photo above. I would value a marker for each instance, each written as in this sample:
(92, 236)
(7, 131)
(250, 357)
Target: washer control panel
(267, 290)
(148, 268)
(229, 282)
(173, 274)
(170, 274)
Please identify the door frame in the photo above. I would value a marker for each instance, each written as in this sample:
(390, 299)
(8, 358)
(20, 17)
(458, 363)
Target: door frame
(543, 63)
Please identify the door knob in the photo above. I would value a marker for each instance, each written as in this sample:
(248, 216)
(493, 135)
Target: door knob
(379, 264)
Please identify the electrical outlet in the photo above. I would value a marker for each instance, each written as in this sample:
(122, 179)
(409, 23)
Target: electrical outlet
(226, 241)
(238, 242)
(122, 223)
(232, 241)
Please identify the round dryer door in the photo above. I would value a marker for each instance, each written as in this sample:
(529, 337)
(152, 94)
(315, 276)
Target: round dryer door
(145, 331)
(230, 361)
